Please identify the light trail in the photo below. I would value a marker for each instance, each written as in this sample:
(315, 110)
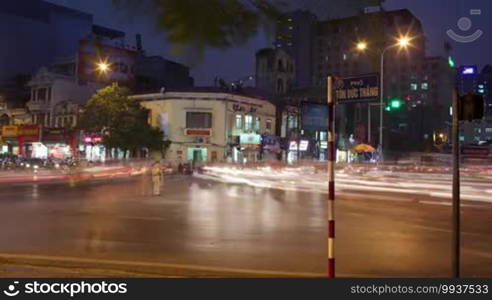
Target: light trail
(473, 188)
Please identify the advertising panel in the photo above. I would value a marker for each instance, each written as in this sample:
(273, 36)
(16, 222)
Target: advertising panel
(120, 63)
(250, 140)
(314, 117)
(9, 131)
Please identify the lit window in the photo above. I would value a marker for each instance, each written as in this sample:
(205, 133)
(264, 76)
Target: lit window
(248, 123)
(239, 122)
(425, 86)
(257, 124)
(292, 122)
(413, 86)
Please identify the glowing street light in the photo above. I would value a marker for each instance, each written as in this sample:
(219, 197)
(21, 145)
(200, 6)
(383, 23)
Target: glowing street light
(103, 67)
(361, 46)
(402, 42)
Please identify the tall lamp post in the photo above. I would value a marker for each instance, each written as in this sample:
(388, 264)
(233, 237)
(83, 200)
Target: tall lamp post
(403, 42)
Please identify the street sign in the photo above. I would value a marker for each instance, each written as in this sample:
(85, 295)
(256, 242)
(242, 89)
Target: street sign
(314, 117)
(364, 88)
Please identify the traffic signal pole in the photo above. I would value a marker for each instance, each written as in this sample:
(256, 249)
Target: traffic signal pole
(455, 246)
(331, 179)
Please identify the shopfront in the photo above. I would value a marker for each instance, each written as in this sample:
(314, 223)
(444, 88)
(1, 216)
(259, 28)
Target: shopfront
(9, 140)
(296, 152)
(197, 155)
(92, 148)
(28, 136)
(60, 143)
(250, 148)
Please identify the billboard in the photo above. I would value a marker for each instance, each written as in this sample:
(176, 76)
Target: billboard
(29, 130)
(10, 131)
(120, 62)
(358, 89)
(314, 117)
(250, 140)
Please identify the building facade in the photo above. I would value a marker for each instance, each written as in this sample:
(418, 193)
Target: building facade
(471, 80)
(211, 126)
(423, 84)
(49, 89)
(294, 34)
(275, 71)
(36, 33)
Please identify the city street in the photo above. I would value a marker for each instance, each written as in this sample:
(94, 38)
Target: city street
(207, 227)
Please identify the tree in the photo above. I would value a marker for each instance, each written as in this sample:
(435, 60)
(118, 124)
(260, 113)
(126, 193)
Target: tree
(122, 120)
(192, 26)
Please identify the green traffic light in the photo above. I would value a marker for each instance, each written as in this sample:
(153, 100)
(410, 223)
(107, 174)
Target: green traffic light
(451, 62)
(396, 103)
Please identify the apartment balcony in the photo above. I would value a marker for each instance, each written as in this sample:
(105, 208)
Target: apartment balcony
(38, 106)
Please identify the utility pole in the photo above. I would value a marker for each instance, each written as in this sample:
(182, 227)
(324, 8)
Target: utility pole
(455, 246)
(331, 179)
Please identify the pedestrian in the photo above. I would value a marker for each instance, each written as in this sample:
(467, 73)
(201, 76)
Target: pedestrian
(156, 179)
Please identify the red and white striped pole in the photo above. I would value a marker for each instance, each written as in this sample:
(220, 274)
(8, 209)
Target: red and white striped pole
(331, 180)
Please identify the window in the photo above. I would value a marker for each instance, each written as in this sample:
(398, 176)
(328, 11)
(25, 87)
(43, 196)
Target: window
(488, 130)
(292, 122)
(198, 120)
(269, 125)
(413, 86)
(238, 122)
(425, 86)
(248, 123)
(42, 94)
(257, 124)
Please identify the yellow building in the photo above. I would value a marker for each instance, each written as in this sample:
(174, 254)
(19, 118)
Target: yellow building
(210, 126)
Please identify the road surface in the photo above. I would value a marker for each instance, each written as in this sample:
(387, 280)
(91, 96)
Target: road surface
(203, 227)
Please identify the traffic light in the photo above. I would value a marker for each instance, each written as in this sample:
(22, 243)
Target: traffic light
(471, 107)
(451, 62)
(394, 104)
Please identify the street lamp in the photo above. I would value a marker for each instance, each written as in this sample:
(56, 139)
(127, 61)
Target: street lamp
(403, 42)
(103, 67)
(361, 46)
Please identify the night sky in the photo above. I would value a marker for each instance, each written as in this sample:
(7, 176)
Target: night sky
(437, 17)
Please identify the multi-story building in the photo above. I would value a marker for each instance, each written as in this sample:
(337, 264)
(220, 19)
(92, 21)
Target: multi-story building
(48, 89)
(424, 83)
(471, 81)
(485, 88)
(210, 126)
(35, 33)
(275, 71)
(428, 99)
(153, 73)
(294, 34)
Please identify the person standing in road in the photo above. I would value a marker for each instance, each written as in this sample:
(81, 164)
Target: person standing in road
(156, 179)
